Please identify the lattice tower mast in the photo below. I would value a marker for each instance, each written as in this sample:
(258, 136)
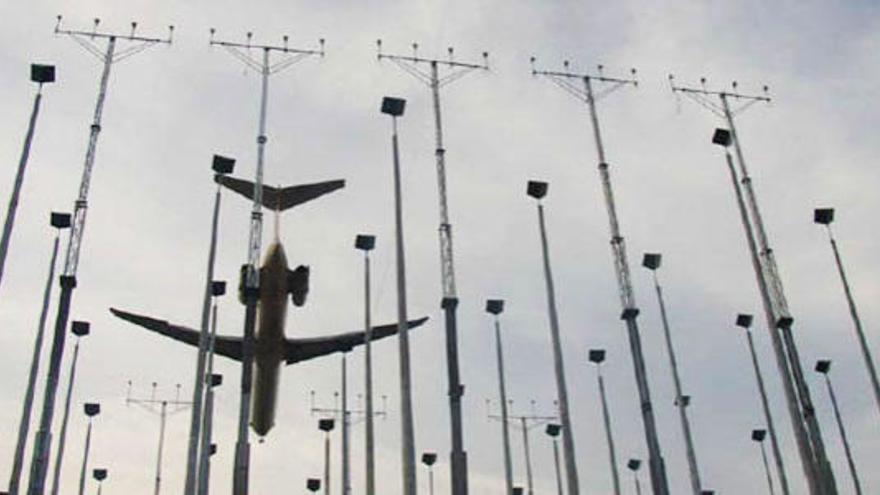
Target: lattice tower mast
(251, 283)
(413, 65)
(808, 434)
(111, 54)
(564, 79)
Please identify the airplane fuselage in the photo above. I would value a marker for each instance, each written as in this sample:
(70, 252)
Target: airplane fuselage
(269, 338)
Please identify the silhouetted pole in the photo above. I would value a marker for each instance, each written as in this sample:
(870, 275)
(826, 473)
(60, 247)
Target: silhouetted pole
(58, 221)
(758, 436)
(495, 307)
(553, 431)
(149, 405)
(820, 477)
(40, 74)
(825, 216)
(80, 329)
(366, 243)
(428, 459)
(652, 261)
(91, 410)
(597, 356)
(346, 455)
(395, 107)
(823, 367)
(100, 475)
(412, 65)
(630, 311)
(221, 166)
(538, 190)
(43, 439)
(805, 450)
(634, 465)
(218, 288)
(745, 321)
(251, 285)
(326, 425)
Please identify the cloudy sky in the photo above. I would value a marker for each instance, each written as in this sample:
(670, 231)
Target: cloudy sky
(170, 108)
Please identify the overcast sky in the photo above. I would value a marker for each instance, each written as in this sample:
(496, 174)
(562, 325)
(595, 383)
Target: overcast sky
(170, 108)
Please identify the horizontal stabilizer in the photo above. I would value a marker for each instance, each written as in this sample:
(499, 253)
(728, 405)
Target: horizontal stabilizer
(225, 346)
(304, 349)
(283, 198)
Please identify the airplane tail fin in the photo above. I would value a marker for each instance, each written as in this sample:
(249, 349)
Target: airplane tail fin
(280, 199)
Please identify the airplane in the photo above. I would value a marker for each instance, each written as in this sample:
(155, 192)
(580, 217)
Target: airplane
(271, 347)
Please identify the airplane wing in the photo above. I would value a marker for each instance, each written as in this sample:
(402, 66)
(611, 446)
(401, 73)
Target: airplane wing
(304, 349)
(225, 346)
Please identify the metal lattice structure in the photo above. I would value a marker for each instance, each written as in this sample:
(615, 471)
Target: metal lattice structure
(110, 55)
(525, 423)
(265, 67)
(160, 407)
(413, 65)
(808, 435)
(567, 81)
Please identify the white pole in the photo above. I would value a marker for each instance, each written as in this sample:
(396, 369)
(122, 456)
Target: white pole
(62, 436)
(27, 408)
(505, 430)
(559, 366)
(408, 451)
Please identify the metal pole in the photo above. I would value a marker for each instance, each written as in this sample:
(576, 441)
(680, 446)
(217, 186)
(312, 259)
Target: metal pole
(59, 456)
(561, 387)
(408, 451)
(346, 470)
(43, 440)
(458, 456)
(638, 485)
(849, 457)
(781, 362)
(192, 455)
(368, 326)
(630, 310)
(502, 390)
(19, 179)
(327, 464)
(242, 447)
(208, 416)
(857, 322)
(27, 408)
(85, 463)
(529, 480)
(680, 401)
(606, 416)
(430, 481)
(162, 415)
(767, 468)
(558, 468)
(768, 416)
(778, 313)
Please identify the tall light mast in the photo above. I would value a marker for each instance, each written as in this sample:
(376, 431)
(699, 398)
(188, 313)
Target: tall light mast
(251, 277)
(86, 39)
(567, 80)
(413, 65)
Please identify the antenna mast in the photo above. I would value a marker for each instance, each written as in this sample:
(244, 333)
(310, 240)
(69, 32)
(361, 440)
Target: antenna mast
(251, 283)
(413, 65)
(158, 406)
(808, 435)
(525, 422)
(565, 80)
(86, 39)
